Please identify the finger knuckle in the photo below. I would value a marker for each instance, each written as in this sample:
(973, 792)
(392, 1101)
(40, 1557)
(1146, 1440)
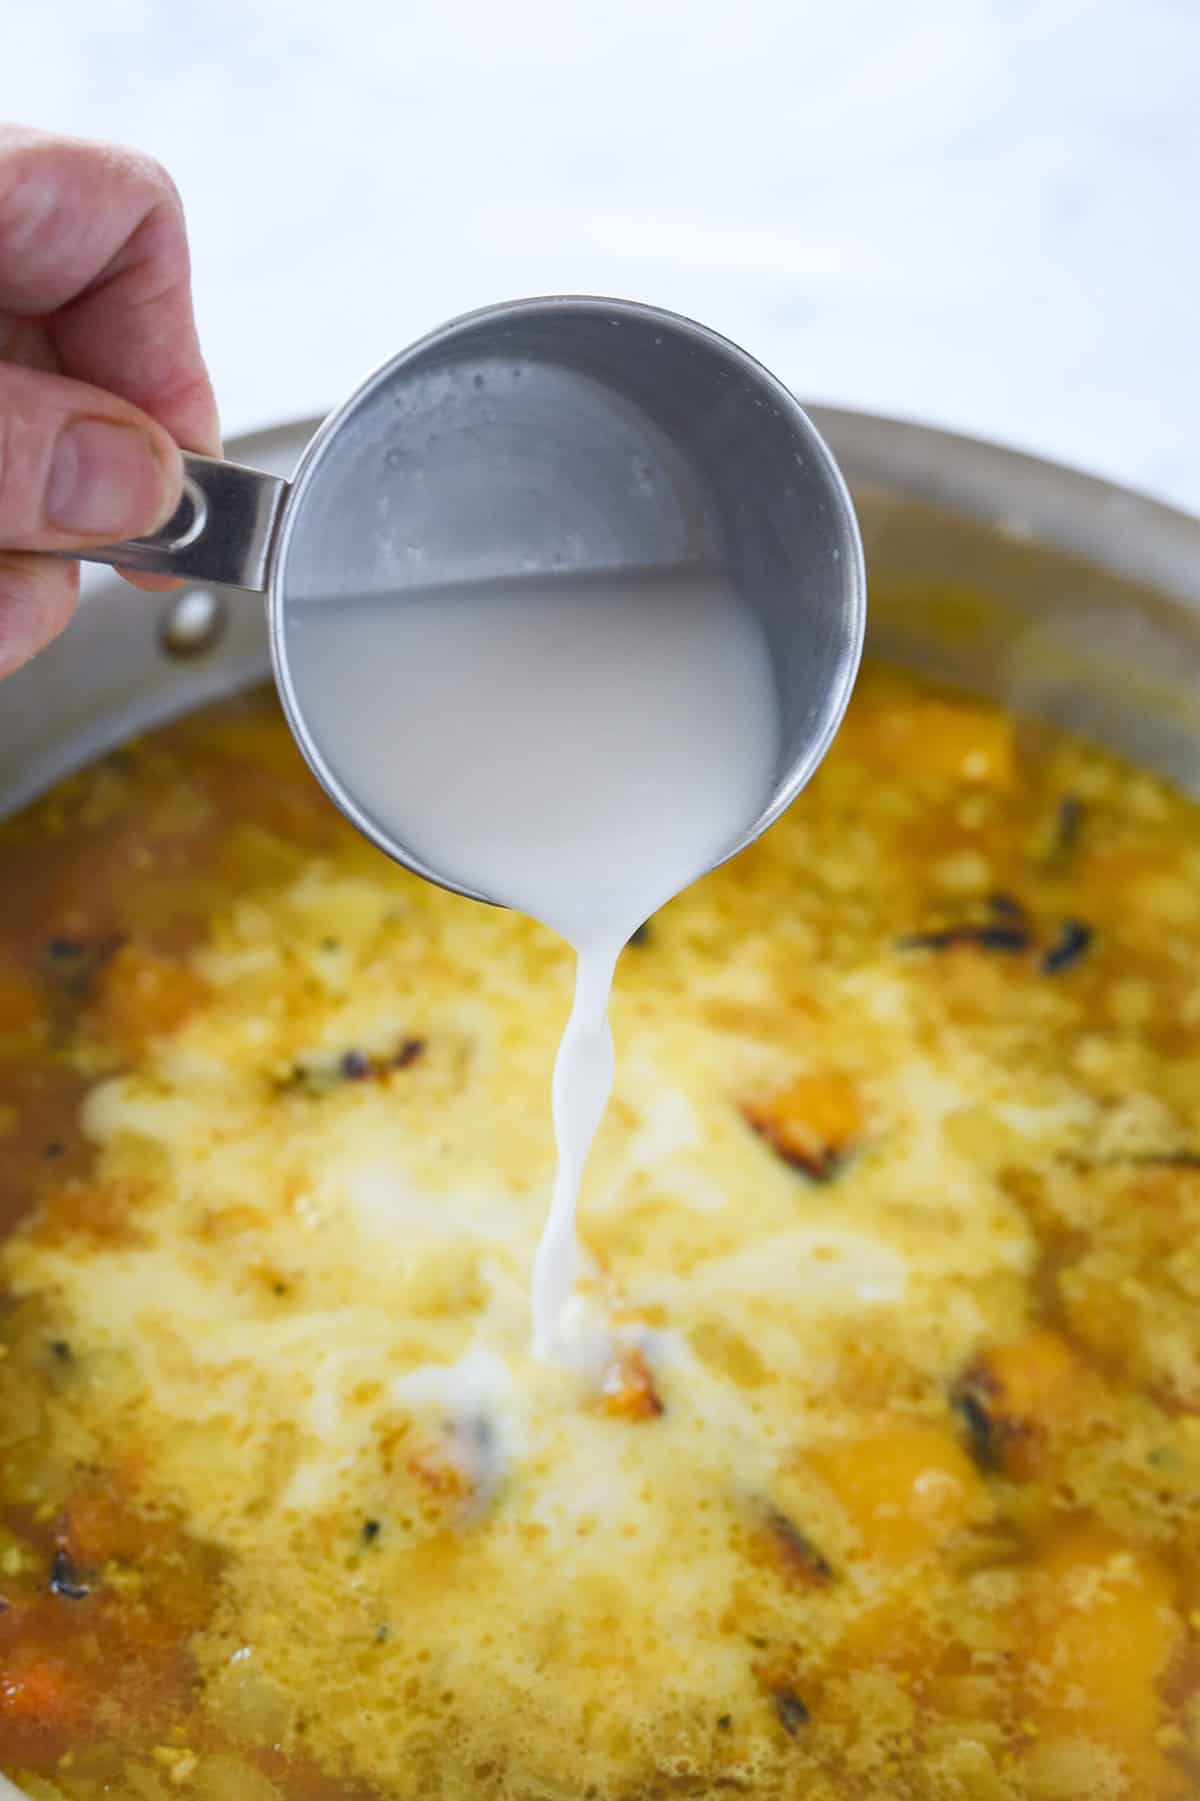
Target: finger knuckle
(29, 197)
(146, 183)
(21, 460)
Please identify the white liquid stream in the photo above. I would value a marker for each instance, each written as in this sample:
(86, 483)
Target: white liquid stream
(578, 749)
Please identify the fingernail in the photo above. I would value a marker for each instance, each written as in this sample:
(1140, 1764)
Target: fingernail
(105, 481)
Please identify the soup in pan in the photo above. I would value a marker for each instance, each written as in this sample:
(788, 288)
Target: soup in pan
(884, 1477)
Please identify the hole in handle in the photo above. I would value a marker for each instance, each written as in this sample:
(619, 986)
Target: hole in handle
(188, 520)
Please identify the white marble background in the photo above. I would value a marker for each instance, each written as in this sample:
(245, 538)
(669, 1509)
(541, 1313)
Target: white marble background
(981, 213)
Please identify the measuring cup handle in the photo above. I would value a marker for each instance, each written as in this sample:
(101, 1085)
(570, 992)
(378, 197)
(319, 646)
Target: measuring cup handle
(221, 531)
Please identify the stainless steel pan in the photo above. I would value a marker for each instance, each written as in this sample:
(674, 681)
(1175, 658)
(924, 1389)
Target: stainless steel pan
(1077, 601)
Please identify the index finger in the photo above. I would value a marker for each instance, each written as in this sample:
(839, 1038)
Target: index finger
(93, 242)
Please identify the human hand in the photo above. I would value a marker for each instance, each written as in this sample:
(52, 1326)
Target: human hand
(101, 377)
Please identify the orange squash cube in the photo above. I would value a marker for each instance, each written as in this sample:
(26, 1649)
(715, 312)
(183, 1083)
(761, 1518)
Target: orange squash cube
(905, 1489)
(627, 1391)
(811, 1123)
(144, 995)
(1102, 1631)
(936, 739)
(1017, 1396)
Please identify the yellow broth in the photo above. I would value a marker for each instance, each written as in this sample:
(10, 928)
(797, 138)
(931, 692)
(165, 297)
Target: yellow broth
(901, 1179)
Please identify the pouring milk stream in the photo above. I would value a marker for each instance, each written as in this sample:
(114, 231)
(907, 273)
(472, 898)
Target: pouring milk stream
(608, 741)
(484, 702)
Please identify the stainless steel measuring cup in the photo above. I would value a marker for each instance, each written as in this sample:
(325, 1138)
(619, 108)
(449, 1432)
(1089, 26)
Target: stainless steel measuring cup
(546, 438)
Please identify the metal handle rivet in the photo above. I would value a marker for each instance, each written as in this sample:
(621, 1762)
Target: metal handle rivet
(193, 623)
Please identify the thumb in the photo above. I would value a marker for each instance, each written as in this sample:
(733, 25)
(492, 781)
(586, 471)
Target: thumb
(79, 466)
